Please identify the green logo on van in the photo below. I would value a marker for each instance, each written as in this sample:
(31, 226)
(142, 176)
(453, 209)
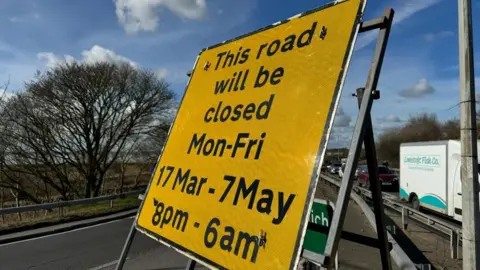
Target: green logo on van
(422, 160)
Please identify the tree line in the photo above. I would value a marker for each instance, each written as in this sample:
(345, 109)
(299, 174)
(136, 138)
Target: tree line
(77, 124)
(421, 127)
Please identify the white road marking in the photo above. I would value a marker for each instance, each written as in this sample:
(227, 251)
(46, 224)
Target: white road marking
(60, 233)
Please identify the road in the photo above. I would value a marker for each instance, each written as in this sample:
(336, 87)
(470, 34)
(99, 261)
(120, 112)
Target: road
(80, 249)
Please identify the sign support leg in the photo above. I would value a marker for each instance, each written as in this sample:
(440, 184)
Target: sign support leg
(375, 187)
(126, 247)
(343, 198)
(191, 264)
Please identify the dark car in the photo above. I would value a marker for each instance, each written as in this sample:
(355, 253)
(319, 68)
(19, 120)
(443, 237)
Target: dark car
(387, 178)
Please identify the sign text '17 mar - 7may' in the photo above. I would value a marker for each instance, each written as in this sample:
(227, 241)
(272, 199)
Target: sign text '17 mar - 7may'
(234, 183)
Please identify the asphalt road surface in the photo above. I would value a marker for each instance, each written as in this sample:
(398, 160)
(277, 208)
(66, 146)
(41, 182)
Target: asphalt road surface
(85, 248)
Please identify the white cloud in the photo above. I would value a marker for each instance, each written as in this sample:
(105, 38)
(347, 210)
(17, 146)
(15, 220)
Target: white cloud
(51, 60)
(30, 17)
(434, 36)
(100, 54)
(95, 54)
(142, 15)
(422, 88)
(162, 73)
(383, 127)
(403, 10)
(342, 119)
(390, 118)
(340, 137)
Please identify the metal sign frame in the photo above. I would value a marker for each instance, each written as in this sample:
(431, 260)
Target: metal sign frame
(362, 133)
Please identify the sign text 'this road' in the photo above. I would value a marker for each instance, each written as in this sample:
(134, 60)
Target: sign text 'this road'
(201, 144)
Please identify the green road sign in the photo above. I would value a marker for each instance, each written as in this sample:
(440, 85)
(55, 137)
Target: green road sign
(321, 213)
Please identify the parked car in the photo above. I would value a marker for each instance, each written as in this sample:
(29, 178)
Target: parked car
(386, 177)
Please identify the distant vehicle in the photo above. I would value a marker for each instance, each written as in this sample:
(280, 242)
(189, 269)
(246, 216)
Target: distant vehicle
(430, 176)
(341, 170)
(335, 167)
(387, 178)
(360, 169)
(326, 166)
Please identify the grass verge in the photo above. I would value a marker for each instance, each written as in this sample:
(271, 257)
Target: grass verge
(32, 220)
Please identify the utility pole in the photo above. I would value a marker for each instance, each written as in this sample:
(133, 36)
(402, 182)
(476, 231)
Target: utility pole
(468, 135)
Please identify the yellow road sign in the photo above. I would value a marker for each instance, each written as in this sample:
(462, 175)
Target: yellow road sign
(235, 182)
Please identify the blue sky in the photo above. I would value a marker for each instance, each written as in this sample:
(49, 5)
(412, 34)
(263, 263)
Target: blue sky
(420, 71)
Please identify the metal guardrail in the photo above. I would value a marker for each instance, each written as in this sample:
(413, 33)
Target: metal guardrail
(451, 230)
(56, 198)
(398, 255)
(61, 204)
(44, 199)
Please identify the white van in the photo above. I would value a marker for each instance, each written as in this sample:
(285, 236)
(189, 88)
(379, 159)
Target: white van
(430, 176)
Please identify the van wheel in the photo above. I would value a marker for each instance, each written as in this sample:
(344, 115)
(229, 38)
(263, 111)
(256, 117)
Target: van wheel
(415, 202)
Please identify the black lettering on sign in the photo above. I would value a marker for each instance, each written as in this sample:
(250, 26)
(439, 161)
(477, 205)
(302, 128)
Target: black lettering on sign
(235, 83)
(167, 215)
(227, 239)
(273, 48)
(231, 58)
(226, 112)
(239, 144)
(169, 174)
(248, 192)
(194, 185)
(248, 147)
(289, 42)
(242, 243)
(184, 180)
(207, 147)
(263, 77)
(264, 204)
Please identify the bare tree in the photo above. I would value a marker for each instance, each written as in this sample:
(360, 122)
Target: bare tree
(421, 127)
(148, 151)
(2, 147)
(451, 129)
(388, 145)
(73, 121)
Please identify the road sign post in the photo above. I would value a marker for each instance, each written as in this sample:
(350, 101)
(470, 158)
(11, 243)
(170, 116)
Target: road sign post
(235, 182)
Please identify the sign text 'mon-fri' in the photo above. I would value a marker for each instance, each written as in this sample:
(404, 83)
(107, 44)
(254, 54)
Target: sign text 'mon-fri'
(234, 183)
